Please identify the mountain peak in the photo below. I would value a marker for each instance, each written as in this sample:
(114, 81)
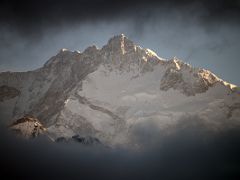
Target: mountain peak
(118, 37)
(119, 43)
(63, 51)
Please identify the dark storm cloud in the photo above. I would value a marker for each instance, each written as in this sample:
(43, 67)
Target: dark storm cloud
(30, 21)
(189, 153)
(30, 15)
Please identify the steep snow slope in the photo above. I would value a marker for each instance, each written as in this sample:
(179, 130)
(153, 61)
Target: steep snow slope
(109, 92)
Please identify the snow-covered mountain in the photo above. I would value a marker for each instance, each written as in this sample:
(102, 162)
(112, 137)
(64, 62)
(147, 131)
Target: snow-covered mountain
(107, 93)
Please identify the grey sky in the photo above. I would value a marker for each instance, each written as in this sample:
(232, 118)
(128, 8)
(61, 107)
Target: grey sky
(212, 45)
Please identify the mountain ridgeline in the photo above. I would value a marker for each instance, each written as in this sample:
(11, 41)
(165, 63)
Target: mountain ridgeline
(113, 92)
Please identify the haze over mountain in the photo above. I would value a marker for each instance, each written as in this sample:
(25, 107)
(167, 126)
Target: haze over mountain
(114, 92)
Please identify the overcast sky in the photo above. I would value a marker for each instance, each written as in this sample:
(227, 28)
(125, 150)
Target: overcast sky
(202, 33)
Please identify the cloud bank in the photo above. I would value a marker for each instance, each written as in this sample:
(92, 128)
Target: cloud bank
(190, 153)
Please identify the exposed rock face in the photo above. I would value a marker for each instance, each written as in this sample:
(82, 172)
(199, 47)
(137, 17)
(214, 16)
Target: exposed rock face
(123, 54)
(7, 92)
(108, 92)
(28, 127)
(187, 79)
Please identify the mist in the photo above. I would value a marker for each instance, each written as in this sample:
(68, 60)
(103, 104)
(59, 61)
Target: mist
(191, 152)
